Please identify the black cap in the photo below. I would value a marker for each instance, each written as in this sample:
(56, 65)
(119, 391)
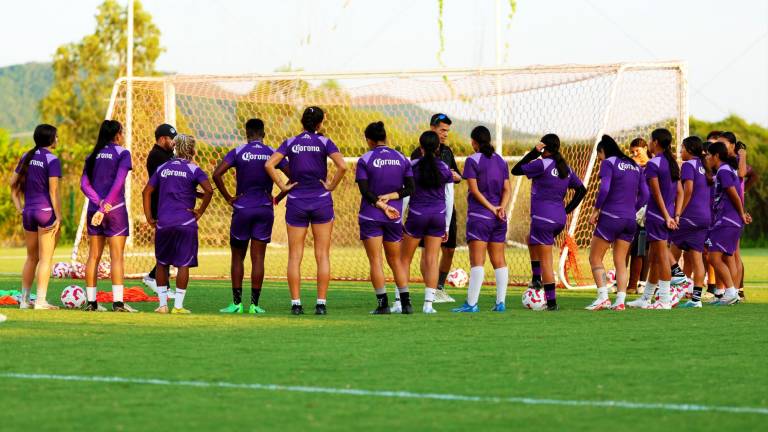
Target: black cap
(165, 130)
(439, 118)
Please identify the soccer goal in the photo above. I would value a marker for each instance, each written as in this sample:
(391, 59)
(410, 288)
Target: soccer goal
(578, 102)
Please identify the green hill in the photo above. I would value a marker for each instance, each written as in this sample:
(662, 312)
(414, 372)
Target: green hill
(21, 87)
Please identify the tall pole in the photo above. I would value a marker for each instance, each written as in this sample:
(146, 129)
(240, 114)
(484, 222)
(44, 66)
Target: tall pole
(499, 127)
(129, 110)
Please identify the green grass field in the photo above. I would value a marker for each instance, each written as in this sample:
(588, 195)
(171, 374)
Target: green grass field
(210, 370)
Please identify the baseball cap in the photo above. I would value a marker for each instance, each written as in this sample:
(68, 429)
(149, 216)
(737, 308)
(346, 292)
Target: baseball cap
(439, 118)
(165, 130)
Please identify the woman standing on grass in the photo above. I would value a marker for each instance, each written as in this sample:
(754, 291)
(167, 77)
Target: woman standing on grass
(551, 177)
(384, 177)
(426, 217)
(309, 201)
(36, 180)
(103, 183)
(487, 176)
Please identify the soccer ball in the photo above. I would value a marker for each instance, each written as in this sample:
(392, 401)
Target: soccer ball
(104, 270)
(77, 271)
(534, 299)
(458, 278)
(611, 276)
(61, 270)
(674, 296)
(72, 297)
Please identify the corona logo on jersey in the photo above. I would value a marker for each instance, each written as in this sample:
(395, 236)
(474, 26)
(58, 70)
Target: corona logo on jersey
(252, 157)
(104, 156)
(554, 172)
(701, 170)
(378, 163)
(37, 163)
(298, 148)
(623, 166)
(170, 172)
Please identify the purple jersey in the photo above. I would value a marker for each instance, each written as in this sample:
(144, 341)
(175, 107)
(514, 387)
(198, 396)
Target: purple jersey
(108, 161)
(697, 212)
(548, 190)
(430, 200)
(490, 174)
(43, 166)
(176, 181)
(658, 168)
(621, 190)
(385, 170)
(307, 162)
(254, 186)
(725, 212)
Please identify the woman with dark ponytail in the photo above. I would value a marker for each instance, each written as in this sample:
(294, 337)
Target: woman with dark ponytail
(551, 178)
(489, 194)
(103, 183)
(663, 178)
(622, 192)
(426, 216)
(36, 181)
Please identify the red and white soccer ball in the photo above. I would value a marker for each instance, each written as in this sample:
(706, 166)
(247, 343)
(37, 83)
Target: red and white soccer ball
(674, 296)
(61, 270)
(611, 276)
(73, 297)
(534, 299)
(77, 271)
(458, 278)
(104, 270)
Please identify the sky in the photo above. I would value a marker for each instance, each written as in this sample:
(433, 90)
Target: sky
(725, 43)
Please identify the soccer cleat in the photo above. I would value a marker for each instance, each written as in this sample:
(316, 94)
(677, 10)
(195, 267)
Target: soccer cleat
(182, 311)
(466, 308)
(397, 307)
(659, 305)
(130, 309)
(499, 307)
(639, 303)
(26, 305)
(320, 309)
(599, 305)
(381, 310)
(297, 310)
(232, 308)
(441, 296)
(552, 308)
(407, 309)
(45, 306)
(725, 301)
(91, 307)
(119, 307)
(715, 301)
(690, 304)
(678, 280)
(618, 308)
(255, 310)
(428, 309)
(150, 283)
(162, 310)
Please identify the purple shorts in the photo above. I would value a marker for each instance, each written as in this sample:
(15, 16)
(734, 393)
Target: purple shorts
(689, 236)
(656, 227)
(724, 239)
(115, 223)
(544, 233)
(32, 219)
(252, 224)
(612, 229)
(420, 225)
(489, 230)
(302, 212)
(176, 246)
(392, 231)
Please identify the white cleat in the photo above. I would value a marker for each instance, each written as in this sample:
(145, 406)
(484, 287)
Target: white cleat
(639, 303)
(428, 309)
(26, 305)
(396, 308)
(659, 305)
(441, 296)
(129, 308)
(45, 306)
(728, 301)
(150, 283)
(599, 305)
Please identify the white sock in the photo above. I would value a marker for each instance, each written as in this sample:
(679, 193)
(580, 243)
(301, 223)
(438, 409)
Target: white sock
(429, 295)
(664, 292)
(731, 292)
(90, 294)
(117, 293)
(321, 301)
(476, 276)
(602, 293)
(162, 295)
(296, 302)
(25, 295)
(719, 291)
(380, 291)
(178, 299)
(620, 297)
(502, 279)
(650, 289)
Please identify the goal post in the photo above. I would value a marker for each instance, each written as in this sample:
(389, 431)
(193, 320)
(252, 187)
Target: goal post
(578, 102)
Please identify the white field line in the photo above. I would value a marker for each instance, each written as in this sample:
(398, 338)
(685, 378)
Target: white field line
(396, 394)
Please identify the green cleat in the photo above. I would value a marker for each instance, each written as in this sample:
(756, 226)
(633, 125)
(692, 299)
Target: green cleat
(253, 309)
(233, 308)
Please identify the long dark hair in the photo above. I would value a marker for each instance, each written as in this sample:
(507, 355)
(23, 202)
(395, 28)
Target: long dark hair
(695, 147)
(44, 136)
(429, 174)
(552, 145)
(610, 148)
(664, 138)
(311, 118)
(721, 151)
(107, 133)
(482, 137)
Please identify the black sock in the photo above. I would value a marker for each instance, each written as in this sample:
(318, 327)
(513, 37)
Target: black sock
(676, 270)
(711, 288)
(383, 300)
(237, 295)
(405, 297)
(117, 304)
(549, 293)
(255, 294)
(94, 303)
(697, 293)
(153, 273)
(441, 280)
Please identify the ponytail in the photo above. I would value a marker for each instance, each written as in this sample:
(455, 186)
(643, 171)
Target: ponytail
(552, 145)
(610, 148)
(107, 133)
(663, 138)
(482, 136)
(695, 147)
(429, 174)
(44, 136)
